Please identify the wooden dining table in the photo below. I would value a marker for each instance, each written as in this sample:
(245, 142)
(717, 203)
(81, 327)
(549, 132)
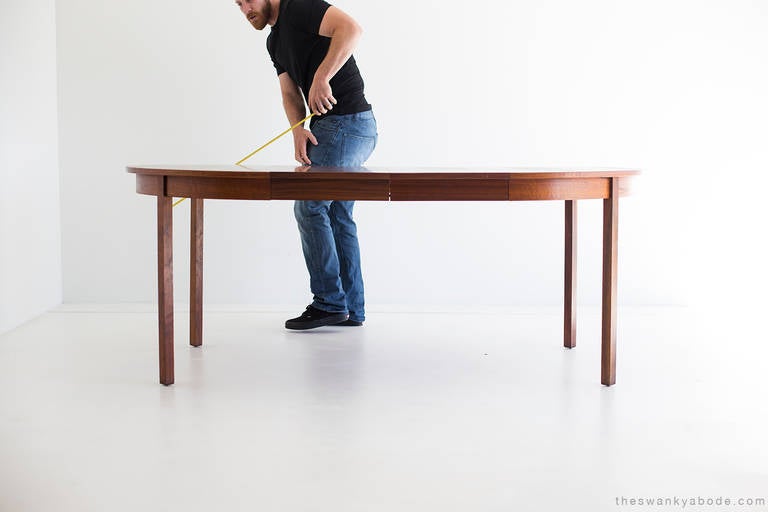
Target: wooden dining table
(200, 182)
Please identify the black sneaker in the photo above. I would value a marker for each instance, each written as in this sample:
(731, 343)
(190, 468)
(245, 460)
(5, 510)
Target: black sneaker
(350, 323)
(313, 317)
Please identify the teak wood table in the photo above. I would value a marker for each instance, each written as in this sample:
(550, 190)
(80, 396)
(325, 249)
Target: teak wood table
(384, 184)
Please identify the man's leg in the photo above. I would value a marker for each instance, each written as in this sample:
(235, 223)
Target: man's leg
(356, 141)
(348, 250)
(317, 243)
(334, 264)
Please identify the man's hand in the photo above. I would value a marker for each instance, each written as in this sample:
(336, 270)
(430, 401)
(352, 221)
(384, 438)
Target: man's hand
(321, 98)
(300, 138)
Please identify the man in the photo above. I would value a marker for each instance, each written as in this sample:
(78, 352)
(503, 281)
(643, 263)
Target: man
(310, 44)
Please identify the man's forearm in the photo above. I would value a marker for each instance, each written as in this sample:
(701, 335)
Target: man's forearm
(294, 108)
(343, 42)
(344, 33)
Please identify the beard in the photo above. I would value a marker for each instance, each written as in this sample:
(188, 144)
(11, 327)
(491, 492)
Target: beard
(260, 19)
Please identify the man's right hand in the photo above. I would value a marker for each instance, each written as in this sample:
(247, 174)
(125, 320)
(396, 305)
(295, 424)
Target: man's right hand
(301, 137)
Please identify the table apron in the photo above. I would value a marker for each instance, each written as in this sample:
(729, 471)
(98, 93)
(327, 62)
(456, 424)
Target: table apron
(211, 188)
(394, 188)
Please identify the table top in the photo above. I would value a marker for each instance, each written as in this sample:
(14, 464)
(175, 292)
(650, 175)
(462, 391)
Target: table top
(508, 173)
(379, 183)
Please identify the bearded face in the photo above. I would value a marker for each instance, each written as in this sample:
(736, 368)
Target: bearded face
(257, 12)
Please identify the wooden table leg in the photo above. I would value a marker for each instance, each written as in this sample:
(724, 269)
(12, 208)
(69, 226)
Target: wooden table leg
(569, 328)
(165, 286)
(196, 274)
(610, 261)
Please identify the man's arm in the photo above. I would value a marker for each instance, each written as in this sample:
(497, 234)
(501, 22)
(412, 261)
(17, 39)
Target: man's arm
(344, 33)
(293, 103)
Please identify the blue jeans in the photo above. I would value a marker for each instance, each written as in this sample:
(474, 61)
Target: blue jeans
(328, 231)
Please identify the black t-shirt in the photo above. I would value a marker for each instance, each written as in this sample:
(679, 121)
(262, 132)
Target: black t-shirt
(296, 47)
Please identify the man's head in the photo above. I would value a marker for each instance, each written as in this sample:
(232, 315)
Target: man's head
(259, 13)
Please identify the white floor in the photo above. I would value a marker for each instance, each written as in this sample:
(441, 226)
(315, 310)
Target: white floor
(413, 412)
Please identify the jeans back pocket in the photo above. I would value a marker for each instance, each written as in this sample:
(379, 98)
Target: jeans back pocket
(355, 149)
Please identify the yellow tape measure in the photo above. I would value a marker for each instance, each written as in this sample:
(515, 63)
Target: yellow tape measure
(263, 146)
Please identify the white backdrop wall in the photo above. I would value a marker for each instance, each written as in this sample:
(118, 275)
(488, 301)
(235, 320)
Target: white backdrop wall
(674, 88)
(30, 232)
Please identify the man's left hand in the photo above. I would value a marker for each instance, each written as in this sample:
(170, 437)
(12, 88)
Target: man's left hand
(321, 98)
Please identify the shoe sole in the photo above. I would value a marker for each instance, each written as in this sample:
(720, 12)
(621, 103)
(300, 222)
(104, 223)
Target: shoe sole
(314, 324)
(350, 323)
